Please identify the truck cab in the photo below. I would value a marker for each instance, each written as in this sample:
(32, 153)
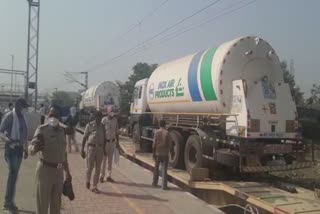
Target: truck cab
(139, 99)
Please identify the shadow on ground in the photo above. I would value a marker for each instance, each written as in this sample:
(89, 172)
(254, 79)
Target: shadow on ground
(146, 186)
(133, 196)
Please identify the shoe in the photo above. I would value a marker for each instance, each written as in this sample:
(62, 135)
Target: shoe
(88, 185)
(154, 184)
(109, 179)
(95, 190)
(165, 188)
(12, 208)
(101, 180)
(15, 207)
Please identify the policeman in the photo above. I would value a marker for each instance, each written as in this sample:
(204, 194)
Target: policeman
(71, 123)
(112, 140)
(94, 134)
(49, 141)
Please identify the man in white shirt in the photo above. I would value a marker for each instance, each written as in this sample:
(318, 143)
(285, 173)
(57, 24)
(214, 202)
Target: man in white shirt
(9, 108)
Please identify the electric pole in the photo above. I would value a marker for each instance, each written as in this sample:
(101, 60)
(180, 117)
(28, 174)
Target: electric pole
(31, 77)
(291, 69)
(71, 78)
(11, 86)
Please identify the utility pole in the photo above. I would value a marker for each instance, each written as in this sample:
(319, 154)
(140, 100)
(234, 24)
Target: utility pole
(86, 77)
(11, 88)
(71, 78)
(31, 77)
(291, 69)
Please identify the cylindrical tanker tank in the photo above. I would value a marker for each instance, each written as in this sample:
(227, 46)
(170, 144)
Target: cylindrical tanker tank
(105, 93)
(202, 82)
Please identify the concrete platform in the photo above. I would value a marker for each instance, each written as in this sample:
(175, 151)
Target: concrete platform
(132, 192)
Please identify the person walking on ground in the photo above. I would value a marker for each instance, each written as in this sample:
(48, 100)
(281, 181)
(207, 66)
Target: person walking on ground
(9, 108)
(71, 123)
(94, 135)
(161, 145)
(14, 133)
(42, 112)
(110, 123)
(49, 141)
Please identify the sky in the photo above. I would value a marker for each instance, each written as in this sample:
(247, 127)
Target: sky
(82, 35)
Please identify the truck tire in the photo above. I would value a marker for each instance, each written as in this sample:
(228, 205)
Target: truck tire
(136, 134)
(176, 150)
(193, 153)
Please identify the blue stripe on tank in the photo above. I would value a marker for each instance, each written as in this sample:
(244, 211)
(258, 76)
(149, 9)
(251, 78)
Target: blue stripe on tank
(193, 77)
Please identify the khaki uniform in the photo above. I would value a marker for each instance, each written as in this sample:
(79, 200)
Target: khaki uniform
(111, 127)
(49, 172)
(96, 136)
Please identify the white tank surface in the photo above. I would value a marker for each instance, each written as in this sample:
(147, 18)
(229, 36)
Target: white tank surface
(96, 97)
(202, 82)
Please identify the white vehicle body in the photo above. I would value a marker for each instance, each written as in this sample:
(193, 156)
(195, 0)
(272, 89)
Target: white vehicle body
(101, 95)
(230, 105)
(241, 77)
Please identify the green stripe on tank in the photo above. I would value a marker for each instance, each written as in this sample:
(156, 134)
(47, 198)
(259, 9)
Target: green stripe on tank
(206, 77)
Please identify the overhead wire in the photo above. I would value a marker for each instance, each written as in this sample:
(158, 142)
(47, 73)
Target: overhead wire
(154, 36)
(208, 20)
(202, 22)
(142, 20)
(133, 27)
(168, 37)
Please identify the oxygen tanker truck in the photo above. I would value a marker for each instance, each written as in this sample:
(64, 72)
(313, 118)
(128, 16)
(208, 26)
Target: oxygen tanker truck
(229, 105)
(98, 97)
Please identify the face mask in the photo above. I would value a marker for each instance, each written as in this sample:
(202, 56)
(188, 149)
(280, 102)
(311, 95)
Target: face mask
(73, 111)
(52, 121)
(111, 114)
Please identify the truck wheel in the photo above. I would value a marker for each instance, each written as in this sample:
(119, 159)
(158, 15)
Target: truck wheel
(136, 134)
(193, 153)
(176, 150)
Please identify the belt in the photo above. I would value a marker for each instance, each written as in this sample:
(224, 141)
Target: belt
(52, 165)
(94, 145)
(113, 140)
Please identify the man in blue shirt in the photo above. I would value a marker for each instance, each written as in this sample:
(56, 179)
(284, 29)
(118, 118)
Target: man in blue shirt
(13, 131)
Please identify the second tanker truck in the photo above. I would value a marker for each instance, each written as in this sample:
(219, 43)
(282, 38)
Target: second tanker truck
(229, 105)
(98, 97)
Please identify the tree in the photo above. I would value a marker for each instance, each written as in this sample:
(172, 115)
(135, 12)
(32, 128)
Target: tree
(140, 71)
(296, 92)
(315, 95)
(62, 99)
